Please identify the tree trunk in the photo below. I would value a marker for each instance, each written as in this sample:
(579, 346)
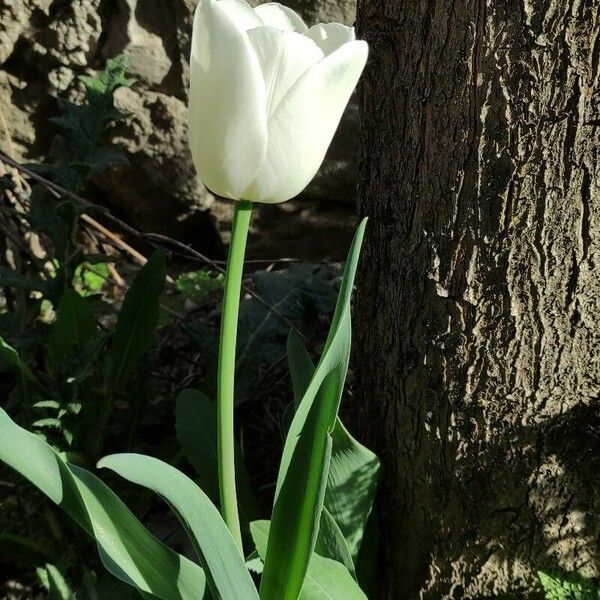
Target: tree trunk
(478, 304)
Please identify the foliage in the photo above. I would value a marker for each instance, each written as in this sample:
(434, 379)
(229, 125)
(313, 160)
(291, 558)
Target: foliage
(54, 582)
(197, 286)
(77, 353)
(563, 586)
(79, 150)
(84, 367)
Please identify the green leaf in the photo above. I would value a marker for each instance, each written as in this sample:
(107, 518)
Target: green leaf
(305, 462)
(326, 579)
(127, 549)
(196, 425)
(568, 586)
(351, 486)
(53, 580)
(367, 562)
(198, 285)
(354, 469)
(89, 277)
(74, 326)
(226, 571)
(110, 79)
(331, 542)
(10, 359)
(80, 150)
(137, 320)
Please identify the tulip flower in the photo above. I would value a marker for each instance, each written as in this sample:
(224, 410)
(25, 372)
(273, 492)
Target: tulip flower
(266, 96)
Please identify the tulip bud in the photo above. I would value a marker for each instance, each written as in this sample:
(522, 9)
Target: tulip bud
(266, 96)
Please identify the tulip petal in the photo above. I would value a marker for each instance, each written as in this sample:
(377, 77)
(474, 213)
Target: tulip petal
(227, 105)
(302, 126)
(330, 36)
(242, 13)
(284, 56)
(281, 17)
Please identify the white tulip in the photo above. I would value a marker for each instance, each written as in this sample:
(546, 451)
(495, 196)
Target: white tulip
(266, 96)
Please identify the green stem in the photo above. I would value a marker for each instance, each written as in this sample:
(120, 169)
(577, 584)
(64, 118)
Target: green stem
(226, 372)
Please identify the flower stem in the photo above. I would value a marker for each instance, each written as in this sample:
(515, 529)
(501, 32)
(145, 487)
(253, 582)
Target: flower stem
(226, 371)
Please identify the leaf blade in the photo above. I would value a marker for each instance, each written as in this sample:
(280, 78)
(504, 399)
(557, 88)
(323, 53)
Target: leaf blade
(137, 319)
(326, 579)
(127, 549)
(354, 469)
(226, 572)
(304, 466)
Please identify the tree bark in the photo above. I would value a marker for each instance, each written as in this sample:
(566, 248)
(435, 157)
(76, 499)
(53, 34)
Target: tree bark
(477, 352)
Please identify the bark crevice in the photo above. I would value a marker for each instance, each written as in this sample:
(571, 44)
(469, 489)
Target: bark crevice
(479, 288)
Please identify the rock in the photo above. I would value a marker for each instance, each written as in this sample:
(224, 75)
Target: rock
(17, 132)
(148, 34)
(71, 39)
(158, 190)
(15, 19)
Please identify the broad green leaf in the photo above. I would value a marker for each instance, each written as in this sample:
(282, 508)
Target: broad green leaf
(226, 572)
(196, 424)
(326, 579)
(304, 466)
(331, 542)
(74, 327)
(137, 320)
(354, 469)
(351, 486)
(127, 549)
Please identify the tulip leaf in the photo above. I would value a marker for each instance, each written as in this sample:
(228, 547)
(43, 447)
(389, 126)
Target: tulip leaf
(137, 320)
(326, 579)
(306, 456)
(226, 571)
(127, 549)
(354, 469)
(351, 486)
(331, 542)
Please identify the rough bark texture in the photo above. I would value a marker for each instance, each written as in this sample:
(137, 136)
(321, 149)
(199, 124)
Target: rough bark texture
(479, 293)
